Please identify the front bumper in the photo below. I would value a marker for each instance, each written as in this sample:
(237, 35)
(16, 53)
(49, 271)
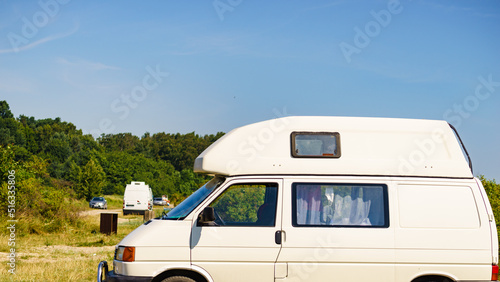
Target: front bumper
(111, 276)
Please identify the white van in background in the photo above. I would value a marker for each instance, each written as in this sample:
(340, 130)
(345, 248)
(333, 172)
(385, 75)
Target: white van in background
(323, 199)
(137, 198)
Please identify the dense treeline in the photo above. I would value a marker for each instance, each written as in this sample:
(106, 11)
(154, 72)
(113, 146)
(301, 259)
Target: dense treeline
(493, 191)
(53, 160)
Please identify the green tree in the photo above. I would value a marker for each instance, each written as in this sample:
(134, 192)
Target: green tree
(121, 168)
(5, 110)
(7, 162)
(493, 192)
(178, 149)
(119, 142)
(10, 129)
(90, 181)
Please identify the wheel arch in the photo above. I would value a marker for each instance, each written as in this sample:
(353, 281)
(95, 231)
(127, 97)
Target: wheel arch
(433, 278)
(196, 273)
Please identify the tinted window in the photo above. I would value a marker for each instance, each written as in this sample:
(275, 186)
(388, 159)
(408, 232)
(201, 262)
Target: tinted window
(340, 205)
(183, 209)
(247, 205)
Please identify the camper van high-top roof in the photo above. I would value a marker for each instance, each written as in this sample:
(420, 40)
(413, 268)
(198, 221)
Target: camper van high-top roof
(363, 146)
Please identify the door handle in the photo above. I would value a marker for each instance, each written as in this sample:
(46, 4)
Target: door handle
(277, 237)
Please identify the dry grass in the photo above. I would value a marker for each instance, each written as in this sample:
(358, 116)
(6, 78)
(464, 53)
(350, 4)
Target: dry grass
(71, 255)
(57, 263)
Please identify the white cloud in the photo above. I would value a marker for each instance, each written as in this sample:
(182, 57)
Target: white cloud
(39, 41)
(94, 66)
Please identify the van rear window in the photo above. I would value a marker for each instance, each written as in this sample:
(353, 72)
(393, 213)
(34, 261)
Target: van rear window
(315, 144)
(340, 205)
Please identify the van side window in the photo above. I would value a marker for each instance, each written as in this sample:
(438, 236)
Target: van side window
(247, 205)
(340, 205)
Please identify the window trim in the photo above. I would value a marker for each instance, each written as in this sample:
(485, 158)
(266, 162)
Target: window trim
(293, 144)
(385, 195)
(251, 183)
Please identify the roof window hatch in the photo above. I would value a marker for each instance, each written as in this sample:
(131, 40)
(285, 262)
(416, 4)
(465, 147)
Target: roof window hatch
(315, 144)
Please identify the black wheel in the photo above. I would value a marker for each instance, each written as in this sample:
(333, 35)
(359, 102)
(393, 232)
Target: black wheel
(178, 279)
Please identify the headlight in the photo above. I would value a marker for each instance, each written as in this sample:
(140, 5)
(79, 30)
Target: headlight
(125, 253)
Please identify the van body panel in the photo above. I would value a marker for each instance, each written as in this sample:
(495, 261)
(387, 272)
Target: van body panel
(456, 272)
(492, 224)
(154, 234)
(345, 272)
(437, 207)
(242, 271)
(442, 225)
(146, 268)
(157, 248)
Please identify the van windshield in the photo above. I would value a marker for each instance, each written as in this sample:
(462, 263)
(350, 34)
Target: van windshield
(183, 209)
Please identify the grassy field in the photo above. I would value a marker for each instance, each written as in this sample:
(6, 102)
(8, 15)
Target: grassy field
(71, 255)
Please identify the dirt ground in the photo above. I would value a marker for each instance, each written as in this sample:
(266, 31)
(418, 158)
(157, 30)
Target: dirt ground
(97, 212)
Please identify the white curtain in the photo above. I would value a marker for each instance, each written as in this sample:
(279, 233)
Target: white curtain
(362, 206)
(309, 204)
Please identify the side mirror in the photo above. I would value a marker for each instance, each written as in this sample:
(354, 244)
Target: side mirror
(207, 217)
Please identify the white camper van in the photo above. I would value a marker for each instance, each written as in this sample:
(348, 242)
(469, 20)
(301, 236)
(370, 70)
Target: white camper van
(323, 199)
(137, 198)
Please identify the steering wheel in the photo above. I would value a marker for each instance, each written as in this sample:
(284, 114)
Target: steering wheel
(218, 219)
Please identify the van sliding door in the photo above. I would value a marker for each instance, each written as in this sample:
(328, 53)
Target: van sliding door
(336, 231)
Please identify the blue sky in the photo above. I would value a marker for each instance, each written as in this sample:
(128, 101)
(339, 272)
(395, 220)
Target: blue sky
(209, 66)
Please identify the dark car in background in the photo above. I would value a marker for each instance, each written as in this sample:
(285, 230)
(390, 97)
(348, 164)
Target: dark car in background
(98, 203)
